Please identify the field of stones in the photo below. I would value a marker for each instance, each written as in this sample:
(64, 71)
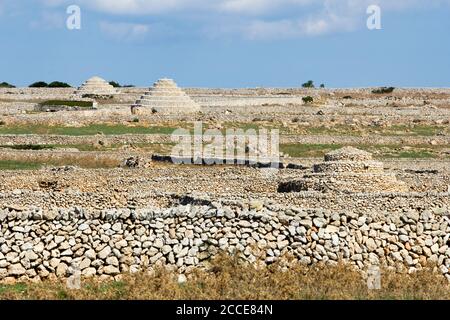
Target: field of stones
(87, 190)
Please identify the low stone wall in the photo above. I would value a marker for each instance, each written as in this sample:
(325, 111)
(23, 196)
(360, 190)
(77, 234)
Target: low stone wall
(38, 244)
(163, 138)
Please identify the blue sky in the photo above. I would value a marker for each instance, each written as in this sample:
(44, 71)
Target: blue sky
(227, 43)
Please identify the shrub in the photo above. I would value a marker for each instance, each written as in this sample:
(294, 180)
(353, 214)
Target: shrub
(2, 123)
(308, 99)
(6, 85)
(309, 84)
(39, 84)
(115, 84)
(136, 120)
(383, 90)
(29, 147)
(59, 84)
(70, 103)
(129, 86)
(97, 96)
(322, 85)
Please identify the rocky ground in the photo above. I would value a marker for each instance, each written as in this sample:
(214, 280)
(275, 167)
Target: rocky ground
(68, 202)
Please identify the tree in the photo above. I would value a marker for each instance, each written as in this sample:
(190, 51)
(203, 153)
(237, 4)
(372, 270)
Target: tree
(115, 84)
(322, 85)
(308, 99)
(6, 85)
(59, 84)
(383, 90)
(39, 84)
(309, 84)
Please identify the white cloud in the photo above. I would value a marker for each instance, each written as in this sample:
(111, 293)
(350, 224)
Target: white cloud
(254, 19)
(49, 20)
(124, 31)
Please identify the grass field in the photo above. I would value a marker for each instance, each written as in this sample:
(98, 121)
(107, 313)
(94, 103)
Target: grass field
(86, 130)
(19, 165)
(336, 130)
(229, 279)
(82, 161)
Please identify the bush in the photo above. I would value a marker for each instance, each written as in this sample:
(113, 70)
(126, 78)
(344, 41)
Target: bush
(308, 99)
(70, 103)
(34, 147)
(136, 120)
(322, 85)
(39, 84)
(309, 84)
(115, 84)
(2, 123)
(58, 84)
(383, 90)
(129, 86)
(97, 96)
(6, 85)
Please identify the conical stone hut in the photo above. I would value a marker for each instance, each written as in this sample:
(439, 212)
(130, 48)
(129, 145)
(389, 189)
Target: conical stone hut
(346, 170)
(96, 86)
(166, 96)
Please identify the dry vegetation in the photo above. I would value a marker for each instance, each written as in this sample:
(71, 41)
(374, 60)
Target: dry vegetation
(229, 279)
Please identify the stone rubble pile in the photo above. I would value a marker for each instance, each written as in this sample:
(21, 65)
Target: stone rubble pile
(38, 244)
(347, 170)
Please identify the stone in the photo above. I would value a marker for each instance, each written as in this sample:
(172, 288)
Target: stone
(83, 226)
(90, 254)
(61, 270)
(371, 245)
(89, 272)
(121, 244)
(30, 255)
(435, 248)
(306, 223)
(158, 243)
(85, 263)
(331, 229)
(59, 239)
(181, 279)
(106, 251)
(256, 205)
(319, 222)
(16, 270)
(166, 249)
(112, 261)
(111, 270)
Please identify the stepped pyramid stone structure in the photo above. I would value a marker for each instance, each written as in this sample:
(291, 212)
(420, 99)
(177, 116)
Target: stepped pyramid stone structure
(349, 170)
(166, 96)
(97, 86)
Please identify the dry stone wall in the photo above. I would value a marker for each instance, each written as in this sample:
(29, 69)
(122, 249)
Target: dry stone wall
(40, 244)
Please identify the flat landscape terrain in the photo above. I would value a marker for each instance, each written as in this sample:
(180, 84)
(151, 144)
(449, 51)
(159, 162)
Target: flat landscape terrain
(84, 192)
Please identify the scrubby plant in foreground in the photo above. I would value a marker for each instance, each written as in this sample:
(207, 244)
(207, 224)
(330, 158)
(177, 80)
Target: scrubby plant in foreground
(229, 278)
